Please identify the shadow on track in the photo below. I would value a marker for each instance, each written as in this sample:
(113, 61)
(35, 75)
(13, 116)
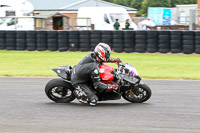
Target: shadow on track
(100, 104)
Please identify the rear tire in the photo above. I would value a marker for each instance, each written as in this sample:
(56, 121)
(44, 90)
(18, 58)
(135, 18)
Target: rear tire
(60, 91)
(143, 91)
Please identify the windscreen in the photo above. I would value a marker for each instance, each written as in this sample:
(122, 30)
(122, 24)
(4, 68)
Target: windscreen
(121, 16)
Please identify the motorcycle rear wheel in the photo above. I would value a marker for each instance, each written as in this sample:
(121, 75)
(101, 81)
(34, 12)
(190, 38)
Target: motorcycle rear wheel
(143, 94)
(60, 91)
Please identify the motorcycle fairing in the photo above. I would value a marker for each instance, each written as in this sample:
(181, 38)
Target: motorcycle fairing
(105, 73)
(131, 79)
(63, 71)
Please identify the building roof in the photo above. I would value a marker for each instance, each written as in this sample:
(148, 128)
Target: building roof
(72, 4)
(49, 14)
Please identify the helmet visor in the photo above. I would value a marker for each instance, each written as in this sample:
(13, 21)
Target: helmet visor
(107, 56)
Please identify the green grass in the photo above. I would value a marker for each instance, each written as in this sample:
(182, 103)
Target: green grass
(165, 66)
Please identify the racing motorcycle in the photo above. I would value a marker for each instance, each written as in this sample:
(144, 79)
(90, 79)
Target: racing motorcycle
(131, 88)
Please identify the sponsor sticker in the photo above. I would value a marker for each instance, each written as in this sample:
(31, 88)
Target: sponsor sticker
(101, 70)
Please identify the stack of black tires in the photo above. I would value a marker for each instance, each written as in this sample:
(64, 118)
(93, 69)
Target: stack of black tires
(84, 37)
(140, 41)
(31, 40)
(74, 40)
(95, 38)
(2, 40)
(164, 41)
(176, 41)
(129, 41)
(197, 42)
(188, 42)
(118, 41)
(41, 39)
(52, 43)
(63, 44)
(152, 41)
(106, 37)
(21, 40)
(10, 40)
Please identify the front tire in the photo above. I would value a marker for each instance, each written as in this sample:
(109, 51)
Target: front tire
(60, 91)
(141, 94)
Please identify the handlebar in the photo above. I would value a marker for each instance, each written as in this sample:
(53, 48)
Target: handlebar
(120, 63)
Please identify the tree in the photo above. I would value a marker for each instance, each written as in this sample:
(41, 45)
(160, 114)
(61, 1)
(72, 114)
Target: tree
(180, 2)
(109, 1)
(144, 7)
(122, 2)
(137, 4)
(175, 2)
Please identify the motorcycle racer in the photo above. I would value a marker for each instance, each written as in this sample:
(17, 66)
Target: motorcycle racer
(88, 70)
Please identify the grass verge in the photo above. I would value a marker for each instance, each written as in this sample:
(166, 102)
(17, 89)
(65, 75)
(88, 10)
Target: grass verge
(155, 66)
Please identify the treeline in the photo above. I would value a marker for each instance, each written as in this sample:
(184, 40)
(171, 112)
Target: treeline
(142, 5)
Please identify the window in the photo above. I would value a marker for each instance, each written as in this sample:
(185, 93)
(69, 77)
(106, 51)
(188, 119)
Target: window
(4, 6)
(28, 14)
(106, 19)
(122, 17)
(40, 23)
(182, 18)
(10, 13)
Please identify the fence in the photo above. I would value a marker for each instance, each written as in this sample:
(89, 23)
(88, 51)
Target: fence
(187, 42)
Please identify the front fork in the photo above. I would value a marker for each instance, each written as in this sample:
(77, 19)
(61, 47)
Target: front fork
(133, 89)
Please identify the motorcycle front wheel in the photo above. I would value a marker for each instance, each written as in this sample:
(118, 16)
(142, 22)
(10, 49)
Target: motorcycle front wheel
(60, 91)
(141, 94)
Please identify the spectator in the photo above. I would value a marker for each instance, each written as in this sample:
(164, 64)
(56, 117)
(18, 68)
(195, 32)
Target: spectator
(116, 24)
(147, 24)
(127, 25)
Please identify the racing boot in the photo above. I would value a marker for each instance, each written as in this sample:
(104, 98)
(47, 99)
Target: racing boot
(80, 95)
(93, 102)
(85, 95)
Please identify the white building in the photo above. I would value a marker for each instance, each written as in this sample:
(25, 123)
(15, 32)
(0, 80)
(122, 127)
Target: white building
(16, 15)
(181, 13)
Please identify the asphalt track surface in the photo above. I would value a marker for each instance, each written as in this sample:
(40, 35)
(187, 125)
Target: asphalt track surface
(173, 108)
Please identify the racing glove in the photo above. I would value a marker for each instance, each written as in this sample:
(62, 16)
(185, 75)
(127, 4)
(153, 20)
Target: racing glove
(98, 85)
(114, 60)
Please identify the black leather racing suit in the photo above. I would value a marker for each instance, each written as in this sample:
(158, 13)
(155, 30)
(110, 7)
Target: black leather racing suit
(86, 70)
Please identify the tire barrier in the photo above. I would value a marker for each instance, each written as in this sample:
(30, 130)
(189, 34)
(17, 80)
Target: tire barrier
(129, 41)
(140, 41)
(186, 42)
(118, 40)
(2, 40)
(163, 41)
(63, 44)
(31, 42)
(41, 40)
(152, 41)
(52, 43)
(106, 37)
(197, 42)
(176, 41)
(21, 40)
(95, 38)
(10, 40)
(74, 40)
(84, 38)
